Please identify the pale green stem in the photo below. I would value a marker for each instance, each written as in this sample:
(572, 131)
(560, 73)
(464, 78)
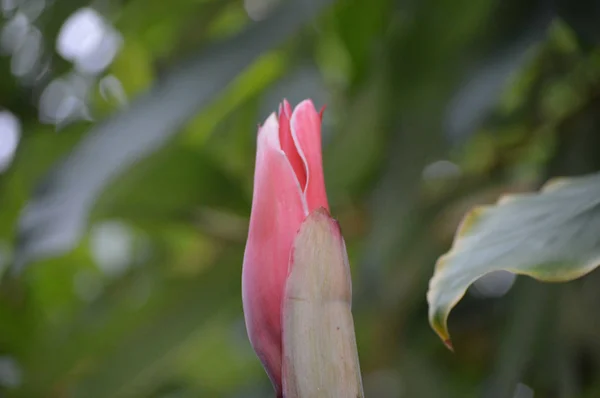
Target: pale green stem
(319, 344)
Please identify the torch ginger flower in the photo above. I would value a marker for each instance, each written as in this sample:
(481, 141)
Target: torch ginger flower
(295, 264)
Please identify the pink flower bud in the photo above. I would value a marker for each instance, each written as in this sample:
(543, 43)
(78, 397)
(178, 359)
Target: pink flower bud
(288, 186)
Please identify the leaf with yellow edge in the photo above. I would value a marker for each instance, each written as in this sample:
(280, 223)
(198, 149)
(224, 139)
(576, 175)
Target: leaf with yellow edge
(552, 236)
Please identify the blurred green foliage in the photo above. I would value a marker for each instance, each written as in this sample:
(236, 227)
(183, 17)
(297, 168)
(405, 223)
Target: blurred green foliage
(432, 107)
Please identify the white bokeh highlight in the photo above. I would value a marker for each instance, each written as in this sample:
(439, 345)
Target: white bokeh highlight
(111, 89)
(32, 8)
(88, 41)
(10, 134)
(442, 169)
(523, 391)
(8, 6)
(258, 10)
(26, 57)
(112, 247)
(10, 372)
(64, 100)
(14, 33)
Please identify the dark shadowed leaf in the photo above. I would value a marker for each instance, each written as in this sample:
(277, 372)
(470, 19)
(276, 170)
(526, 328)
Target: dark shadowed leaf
(483, 87)
(582, 17)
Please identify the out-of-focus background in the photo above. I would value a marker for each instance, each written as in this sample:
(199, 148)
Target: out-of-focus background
(127, 142)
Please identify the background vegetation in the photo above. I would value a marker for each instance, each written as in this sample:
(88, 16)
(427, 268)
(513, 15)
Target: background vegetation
(124, 208)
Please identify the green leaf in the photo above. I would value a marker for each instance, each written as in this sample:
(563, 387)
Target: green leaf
(552, 236)
(118, 348)
(190, 177)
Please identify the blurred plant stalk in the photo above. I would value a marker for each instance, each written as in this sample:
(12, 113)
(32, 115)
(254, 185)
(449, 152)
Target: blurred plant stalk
(320, 357)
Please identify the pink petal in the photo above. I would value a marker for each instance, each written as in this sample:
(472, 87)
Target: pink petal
(287, 143)
(306, 131)
(278, 209)
(287, 108)
(322, 111)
